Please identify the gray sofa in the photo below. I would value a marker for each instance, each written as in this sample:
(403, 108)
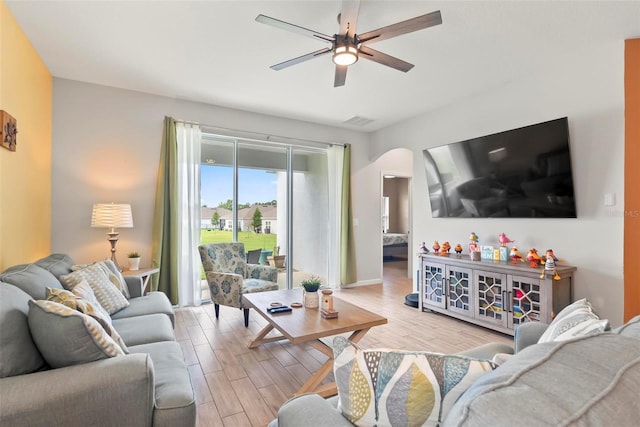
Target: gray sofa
(589, 381)
(150, 386)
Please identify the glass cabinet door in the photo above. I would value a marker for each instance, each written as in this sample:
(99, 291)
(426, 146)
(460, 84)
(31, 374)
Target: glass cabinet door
(459, 290)
(491, 291)
(433, 286)
(526, 295)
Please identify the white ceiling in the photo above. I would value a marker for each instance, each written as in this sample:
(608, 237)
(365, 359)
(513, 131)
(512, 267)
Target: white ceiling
(214, 51)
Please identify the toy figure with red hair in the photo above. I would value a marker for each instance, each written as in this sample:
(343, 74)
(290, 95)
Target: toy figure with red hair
(515, 255)
(533, 258)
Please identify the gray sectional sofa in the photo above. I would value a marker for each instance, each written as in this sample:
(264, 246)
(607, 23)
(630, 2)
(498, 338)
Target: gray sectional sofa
(588, 381)
(150, 386)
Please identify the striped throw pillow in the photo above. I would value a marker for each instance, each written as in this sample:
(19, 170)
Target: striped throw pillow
(575, 320)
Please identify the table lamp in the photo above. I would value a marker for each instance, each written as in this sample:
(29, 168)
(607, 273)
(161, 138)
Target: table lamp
(112, 215)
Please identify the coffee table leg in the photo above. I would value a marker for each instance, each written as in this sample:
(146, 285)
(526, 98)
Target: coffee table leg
(260, 338)
(313, 384)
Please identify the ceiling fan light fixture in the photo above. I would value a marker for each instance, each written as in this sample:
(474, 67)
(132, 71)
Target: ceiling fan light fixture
(345, 55)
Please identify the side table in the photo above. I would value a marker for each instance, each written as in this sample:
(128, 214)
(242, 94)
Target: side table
(144, 274)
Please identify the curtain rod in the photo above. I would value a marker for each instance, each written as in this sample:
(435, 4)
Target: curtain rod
(266, 137)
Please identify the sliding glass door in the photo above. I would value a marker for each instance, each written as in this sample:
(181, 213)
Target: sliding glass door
(259, 171)
(273, 198)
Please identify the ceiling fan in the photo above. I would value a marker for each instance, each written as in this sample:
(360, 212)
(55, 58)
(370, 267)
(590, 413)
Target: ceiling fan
(347, 46)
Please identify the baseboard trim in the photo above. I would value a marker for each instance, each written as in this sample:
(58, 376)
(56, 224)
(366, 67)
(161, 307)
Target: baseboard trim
(364, 283)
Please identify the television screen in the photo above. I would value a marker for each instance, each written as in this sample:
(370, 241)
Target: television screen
(520, 173)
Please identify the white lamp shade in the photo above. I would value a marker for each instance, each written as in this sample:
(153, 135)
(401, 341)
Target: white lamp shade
(111, 215)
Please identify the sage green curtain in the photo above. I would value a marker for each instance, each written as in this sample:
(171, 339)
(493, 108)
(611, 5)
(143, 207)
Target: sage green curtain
(164, 252)
(347, 246)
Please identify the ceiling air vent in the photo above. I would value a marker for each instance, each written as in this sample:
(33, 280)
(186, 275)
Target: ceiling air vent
(358, 121)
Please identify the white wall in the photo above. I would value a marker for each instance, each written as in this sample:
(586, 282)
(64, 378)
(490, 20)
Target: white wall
(587, 87)
(106, 147)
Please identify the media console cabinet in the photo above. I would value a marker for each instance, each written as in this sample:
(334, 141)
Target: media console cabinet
(495, 294)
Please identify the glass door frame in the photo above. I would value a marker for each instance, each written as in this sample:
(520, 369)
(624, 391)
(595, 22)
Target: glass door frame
(289, 151)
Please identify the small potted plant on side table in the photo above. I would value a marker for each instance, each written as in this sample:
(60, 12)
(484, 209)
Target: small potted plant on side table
(310, 296)
(134, 261)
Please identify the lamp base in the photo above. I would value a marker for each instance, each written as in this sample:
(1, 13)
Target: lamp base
(113, 239)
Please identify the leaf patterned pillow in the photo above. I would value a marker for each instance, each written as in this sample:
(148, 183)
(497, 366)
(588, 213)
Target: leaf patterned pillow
(400, 388)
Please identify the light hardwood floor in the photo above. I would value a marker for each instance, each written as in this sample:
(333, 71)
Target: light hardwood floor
(236, 386)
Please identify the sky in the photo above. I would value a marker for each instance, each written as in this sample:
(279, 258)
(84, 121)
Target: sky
(255, 185)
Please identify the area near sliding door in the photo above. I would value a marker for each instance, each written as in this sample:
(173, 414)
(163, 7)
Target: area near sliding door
(274, 198)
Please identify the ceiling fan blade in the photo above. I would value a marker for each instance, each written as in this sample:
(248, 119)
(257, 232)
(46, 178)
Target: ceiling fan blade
(300, 59)
(404, 27)
(349, 17)
(384, 59)
(341, 75)
(294, 28)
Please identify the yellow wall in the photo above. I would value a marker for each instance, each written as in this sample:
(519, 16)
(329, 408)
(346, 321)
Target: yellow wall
(26, 92)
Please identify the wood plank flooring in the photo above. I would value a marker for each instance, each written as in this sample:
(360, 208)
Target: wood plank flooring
(238, 386)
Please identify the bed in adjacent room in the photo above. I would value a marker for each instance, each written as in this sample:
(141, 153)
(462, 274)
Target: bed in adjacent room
(394, 244)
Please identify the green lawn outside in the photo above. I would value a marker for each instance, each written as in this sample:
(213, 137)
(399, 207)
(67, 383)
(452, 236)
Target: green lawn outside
(250, 239)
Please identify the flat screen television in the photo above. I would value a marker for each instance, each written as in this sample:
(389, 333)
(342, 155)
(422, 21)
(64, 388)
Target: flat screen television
(519, 173)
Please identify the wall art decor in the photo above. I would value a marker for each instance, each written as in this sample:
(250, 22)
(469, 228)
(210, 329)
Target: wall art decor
(9, 131)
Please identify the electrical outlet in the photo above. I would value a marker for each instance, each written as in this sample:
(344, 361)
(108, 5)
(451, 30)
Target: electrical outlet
(609, 199)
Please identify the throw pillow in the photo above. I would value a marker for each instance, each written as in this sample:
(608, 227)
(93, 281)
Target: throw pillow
(112, 273)
(67, 337)
(122, 284)
(74, 302)
(392, 387)
(109, 297)
(575, 320)
(84, 291)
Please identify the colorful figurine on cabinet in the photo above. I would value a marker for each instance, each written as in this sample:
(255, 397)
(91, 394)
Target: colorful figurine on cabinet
(444, 250)
(473, 243)
(474, 247)
(436, 247)
(423, 248)
(515, 255)
(550, 261)
(504, 240)
(458, 249)
(533, 258)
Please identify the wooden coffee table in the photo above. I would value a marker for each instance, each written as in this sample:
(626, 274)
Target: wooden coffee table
(307, 325)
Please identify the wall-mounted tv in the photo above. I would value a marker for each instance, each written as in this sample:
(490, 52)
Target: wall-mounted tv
(519, 173)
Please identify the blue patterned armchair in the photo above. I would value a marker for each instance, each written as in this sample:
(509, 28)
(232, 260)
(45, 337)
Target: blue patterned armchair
(229, 276)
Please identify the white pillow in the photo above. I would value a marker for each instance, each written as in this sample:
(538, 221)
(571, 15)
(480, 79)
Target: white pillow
(575, 320)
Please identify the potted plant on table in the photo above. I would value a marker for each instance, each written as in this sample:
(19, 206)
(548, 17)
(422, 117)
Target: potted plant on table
(134, 261)
(310, 296)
